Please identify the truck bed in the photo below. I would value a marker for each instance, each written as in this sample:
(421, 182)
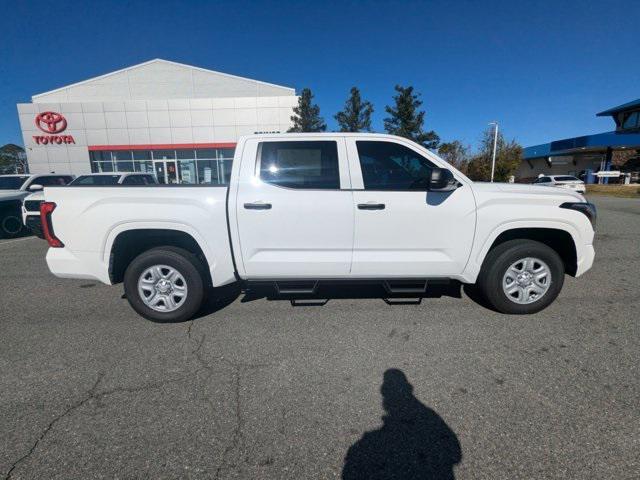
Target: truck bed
(88, 220)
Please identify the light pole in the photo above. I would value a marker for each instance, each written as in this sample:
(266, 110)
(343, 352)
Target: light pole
(495, 144)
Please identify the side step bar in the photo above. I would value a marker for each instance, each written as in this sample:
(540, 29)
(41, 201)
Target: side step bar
(405, 286)
(297, 287)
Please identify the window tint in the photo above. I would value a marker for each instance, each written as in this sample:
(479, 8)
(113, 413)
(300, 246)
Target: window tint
(565, 178)
(97, 180)
(138, 180)
(543, 180)
(12, 183)
(302, 165)
(391, 166)
(52, 180)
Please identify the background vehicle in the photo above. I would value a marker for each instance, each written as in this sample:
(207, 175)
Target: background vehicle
(564, 181)
(13, 189)
(31, 203)
(307, 208)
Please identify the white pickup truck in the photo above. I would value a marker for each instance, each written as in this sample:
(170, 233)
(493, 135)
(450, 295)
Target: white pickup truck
(301, 209)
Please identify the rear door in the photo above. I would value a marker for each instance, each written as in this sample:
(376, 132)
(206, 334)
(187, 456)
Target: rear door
(294, 208)
(401, 230)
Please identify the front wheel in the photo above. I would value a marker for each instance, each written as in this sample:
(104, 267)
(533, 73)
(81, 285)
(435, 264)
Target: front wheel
(521, 277)
(165, 284)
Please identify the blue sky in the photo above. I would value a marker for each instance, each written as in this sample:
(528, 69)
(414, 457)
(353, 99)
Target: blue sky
(541, 68)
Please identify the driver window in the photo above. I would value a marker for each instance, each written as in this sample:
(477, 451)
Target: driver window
(391, 166)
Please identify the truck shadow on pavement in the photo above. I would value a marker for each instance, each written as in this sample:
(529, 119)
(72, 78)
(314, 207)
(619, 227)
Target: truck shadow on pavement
(221, 297)
(414, 442)
(341, 291)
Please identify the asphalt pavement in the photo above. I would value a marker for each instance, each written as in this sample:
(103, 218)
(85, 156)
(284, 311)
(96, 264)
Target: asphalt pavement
(257, 388)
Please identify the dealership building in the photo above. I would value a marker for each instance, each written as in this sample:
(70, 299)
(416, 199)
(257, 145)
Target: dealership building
(178, 121)
(582, 156)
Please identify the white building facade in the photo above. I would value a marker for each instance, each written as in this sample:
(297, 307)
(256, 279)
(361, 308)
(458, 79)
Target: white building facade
(177, 121)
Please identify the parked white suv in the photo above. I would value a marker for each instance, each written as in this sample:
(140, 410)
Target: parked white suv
(301, 209)
(13, 189)
(31, 203)
(564, 181)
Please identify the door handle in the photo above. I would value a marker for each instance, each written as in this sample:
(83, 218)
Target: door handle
(371, 206)
(257, 206)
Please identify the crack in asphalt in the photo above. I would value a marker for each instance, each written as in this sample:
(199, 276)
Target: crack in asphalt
(91, 394)
(239, 369)
(51, 424)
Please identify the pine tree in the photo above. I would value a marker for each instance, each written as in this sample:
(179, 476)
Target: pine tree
(307, 115)
(356, 116)
(407, 121)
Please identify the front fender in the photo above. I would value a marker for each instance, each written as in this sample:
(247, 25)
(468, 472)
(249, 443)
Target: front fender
(483, 244)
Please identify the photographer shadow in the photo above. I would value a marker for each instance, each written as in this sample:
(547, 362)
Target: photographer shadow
(414, 442)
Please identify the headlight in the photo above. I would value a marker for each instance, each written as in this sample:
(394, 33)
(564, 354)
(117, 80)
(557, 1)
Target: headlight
(589, 209)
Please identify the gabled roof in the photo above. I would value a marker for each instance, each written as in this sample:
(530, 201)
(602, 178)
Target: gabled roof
(179, 81)
(620, 108)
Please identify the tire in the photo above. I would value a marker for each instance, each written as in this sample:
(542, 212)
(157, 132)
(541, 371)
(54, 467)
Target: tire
(529, 293)
(162, 296)
(10, 224)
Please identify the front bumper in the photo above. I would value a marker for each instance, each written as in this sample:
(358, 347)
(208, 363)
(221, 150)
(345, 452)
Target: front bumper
(585, 261)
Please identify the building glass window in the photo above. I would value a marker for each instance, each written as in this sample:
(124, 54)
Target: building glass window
(210, 166)
(208, 172)
(141, 155)
(144, 166)
(123, 159)
(206, 153)
(102, 167)
(164, 154)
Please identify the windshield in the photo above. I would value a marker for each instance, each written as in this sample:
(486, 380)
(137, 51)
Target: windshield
(12, 183)
(565, 179)
(96, 180)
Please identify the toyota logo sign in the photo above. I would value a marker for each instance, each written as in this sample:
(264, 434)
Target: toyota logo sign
(51, 122)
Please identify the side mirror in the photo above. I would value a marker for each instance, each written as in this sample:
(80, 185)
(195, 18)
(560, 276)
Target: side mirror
(441, 180)
(36, 187)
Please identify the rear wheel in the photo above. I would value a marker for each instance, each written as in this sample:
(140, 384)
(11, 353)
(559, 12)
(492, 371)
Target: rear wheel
(521, 277)
(165, 284)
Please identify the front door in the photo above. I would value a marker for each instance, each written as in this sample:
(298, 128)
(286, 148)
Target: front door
(295, 216)
(401, 230)
(166, 171)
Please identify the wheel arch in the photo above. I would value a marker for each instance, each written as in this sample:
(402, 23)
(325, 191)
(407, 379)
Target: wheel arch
(126, 243)
(559, 239)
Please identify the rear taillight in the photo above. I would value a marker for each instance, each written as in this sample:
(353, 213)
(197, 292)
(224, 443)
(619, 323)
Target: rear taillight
(46, 208)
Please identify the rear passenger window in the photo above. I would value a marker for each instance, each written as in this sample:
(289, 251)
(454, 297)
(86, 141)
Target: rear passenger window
(300, 165)
(391, 166)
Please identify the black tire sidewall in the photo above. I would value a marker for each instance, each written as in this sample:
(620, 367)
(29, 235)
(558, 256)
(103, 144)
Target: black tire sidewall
(8, 216)
(184, 262)
(502, 258)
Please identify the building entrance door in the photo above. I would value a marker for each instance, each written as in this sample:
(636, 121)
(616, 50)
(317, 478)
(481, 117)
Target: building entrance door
(166, 171)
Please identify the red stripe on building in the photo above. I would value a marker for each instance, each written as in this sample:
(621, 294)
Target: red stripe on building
(161, 146)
